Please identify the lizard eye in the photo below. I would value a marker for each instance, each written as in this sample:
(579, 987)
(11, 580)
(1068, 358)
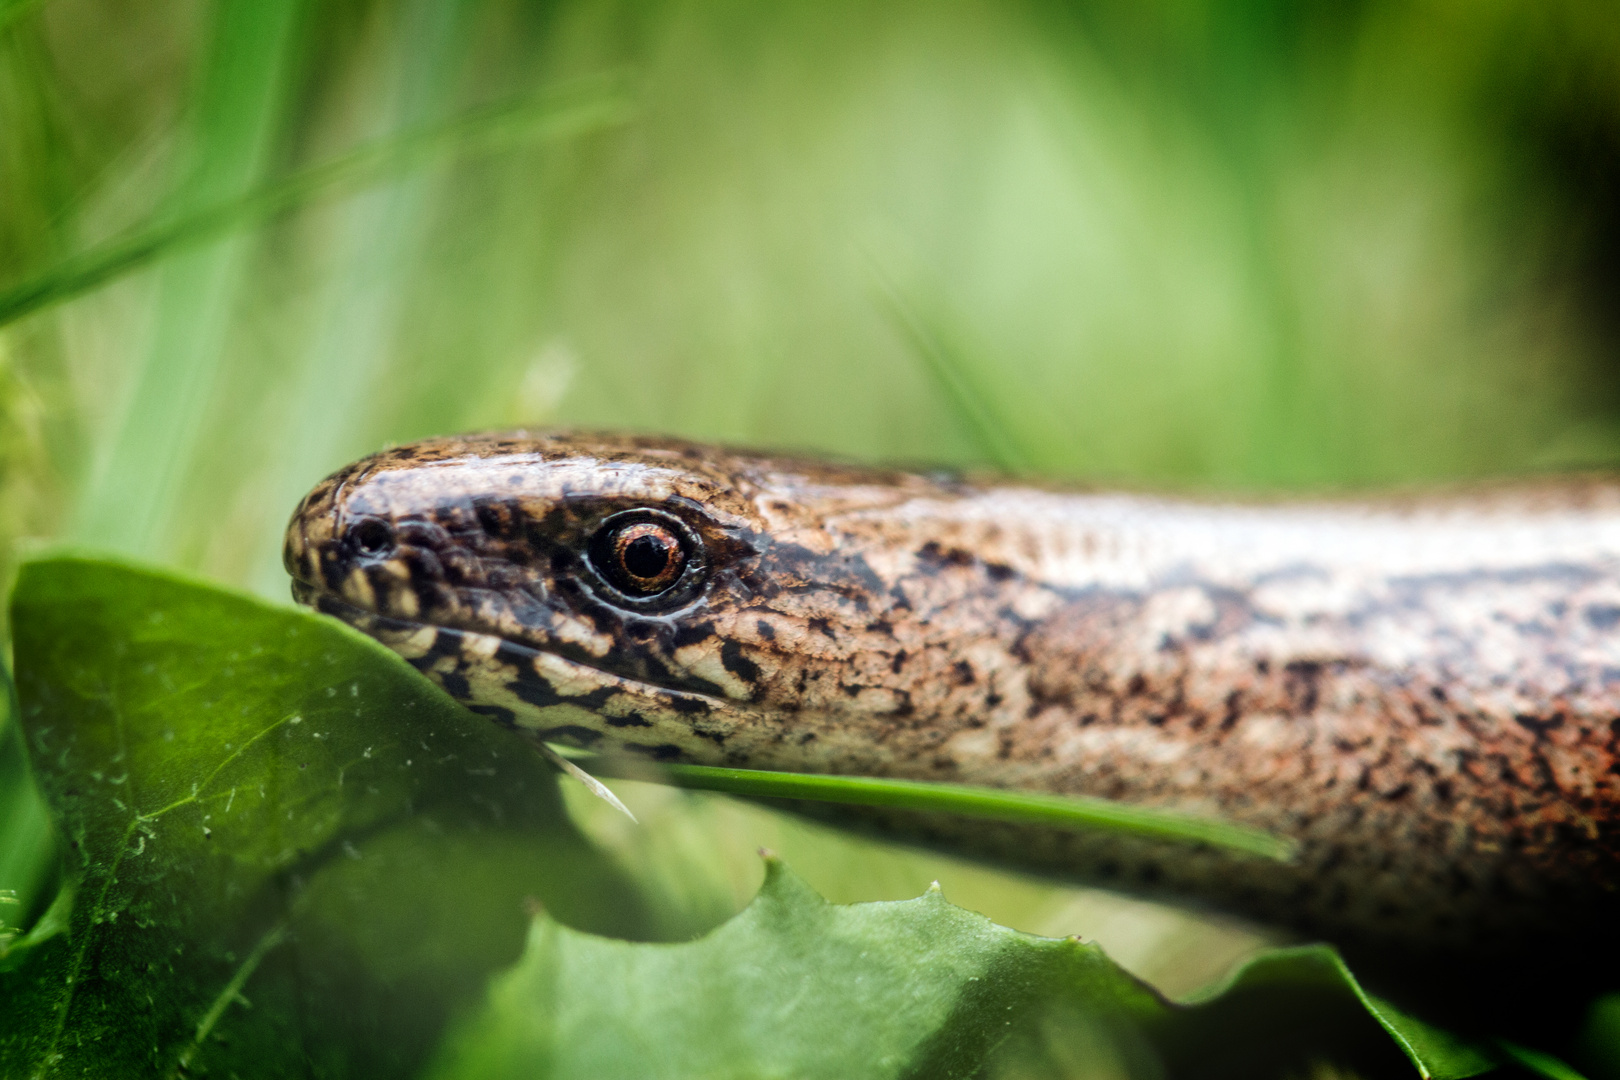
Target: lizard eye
(640, 554)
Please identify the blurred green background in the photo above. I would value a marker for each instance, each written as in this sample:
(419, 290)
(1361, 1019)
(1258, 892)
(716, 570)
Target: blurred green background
(1189, 243)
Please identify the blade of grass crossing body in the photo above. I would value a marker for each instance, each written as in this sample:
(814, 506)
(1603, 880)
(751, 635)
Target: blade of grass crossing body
(237, 111)
(558, 112)
(1058, 811)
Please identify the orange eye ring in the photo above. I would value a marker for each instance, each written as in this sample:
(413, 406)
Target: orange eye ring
(649, 556)
(640, 554)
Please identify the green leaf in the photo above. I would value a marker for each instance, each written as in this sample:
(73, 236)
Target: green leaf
(53, 921)
(290, 851)
(795, 986)
(1438, 1054)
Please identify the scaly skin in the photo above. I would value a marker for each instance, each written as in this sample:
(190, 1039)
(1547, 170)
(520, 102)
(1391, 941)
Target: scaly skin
(1423, 693)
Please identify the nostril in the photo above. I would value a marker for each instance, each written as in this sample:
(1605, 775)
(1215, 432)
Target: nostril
(373, 538)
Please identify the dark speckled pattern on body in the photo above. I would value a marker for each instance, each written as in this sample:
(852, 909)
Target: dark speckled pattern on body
(1423, 692)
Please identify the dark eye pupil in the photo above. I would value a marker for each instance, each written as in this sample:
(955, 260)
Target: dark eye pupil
(640, 558)
(647, 556)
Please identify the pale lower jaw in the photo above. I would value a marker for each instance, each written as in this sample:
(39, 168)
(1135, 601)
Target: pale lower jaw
(553, 699)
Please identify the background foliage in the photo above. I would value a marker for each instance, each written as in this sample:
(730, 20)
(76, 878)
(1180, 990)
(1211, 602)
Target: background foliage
(1254, 243)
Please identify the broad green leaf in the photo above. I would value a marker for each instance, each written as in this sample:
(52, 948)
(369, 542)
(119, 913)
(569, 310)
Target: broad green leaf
(1438, 1054)
(288, 853)
(291, 852)
(795, 986)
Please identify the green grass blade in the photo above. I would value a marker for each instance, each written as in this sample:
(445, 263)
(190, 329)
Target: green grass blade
(557, 113)
(1058, 811)
(950, 371)
(242, 94)
(376, 249)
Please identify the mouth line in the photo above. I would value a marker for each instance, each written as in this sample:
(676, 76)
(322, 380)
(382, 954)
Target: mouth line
(366, 621)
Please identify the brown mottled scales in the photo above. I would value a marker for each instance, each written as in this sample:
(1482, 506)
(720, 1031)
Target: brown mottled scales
(1423, 693)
